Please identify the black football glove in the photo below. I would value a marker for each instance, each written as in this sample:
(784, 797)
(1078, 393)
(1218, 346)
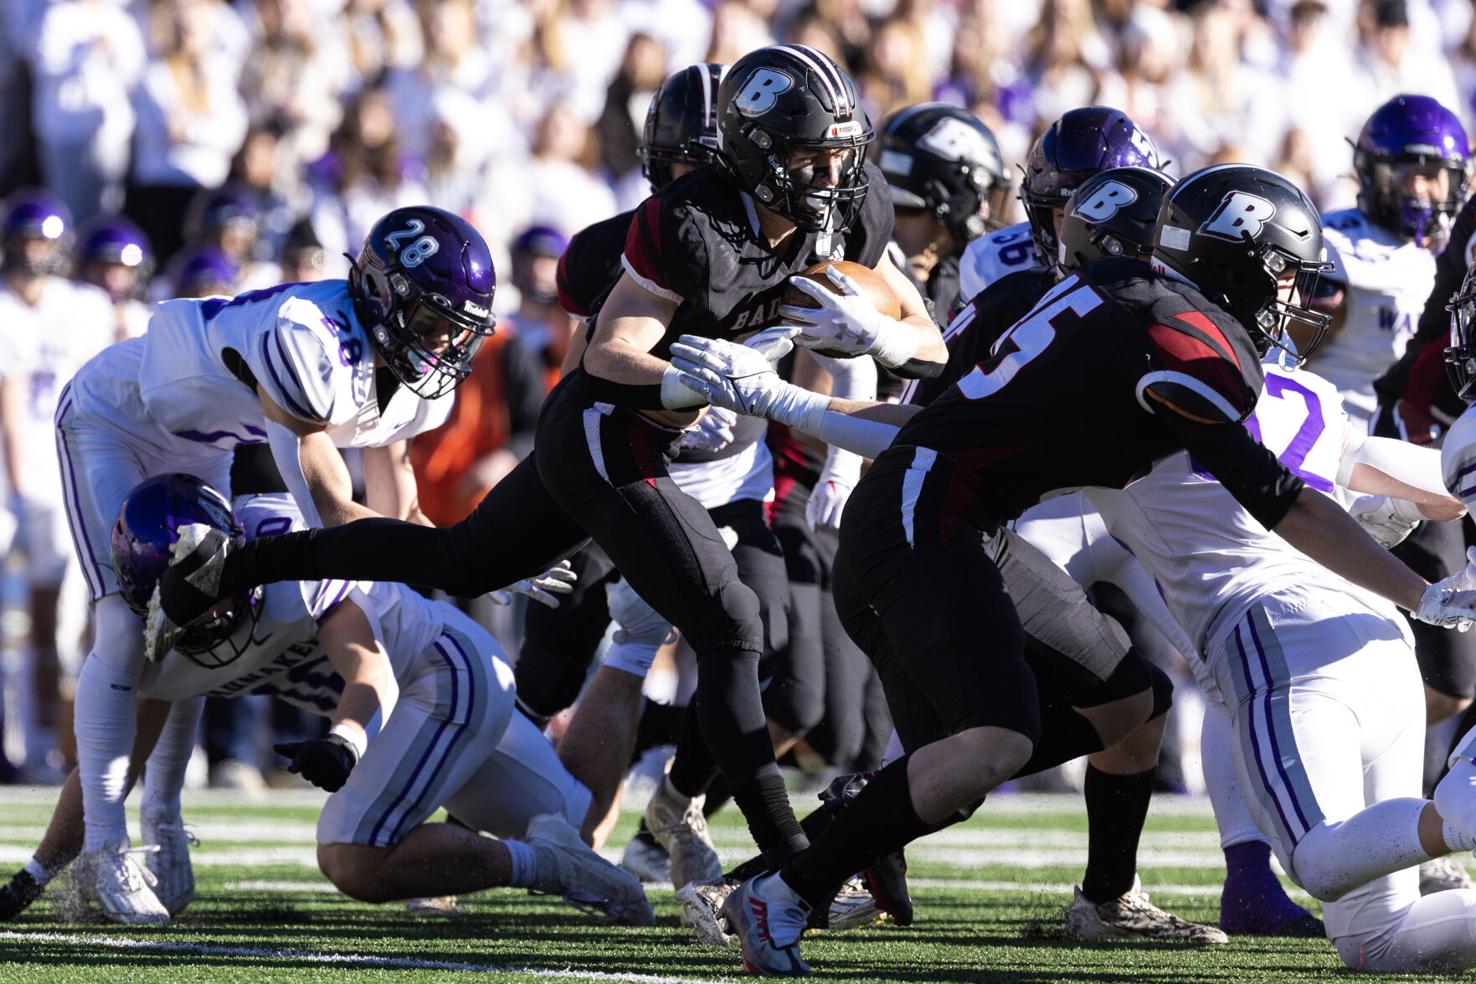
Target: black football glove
(326, 762)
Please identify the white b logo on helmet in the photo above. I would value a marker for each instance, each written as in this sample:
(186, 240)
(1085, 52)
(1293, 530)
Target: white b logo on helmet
(762, 91)
(1240, 215)
(1106, 201)
(954, 140)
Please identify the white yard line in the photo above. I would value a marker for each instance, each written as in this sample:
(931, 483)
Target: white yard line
(340, 959)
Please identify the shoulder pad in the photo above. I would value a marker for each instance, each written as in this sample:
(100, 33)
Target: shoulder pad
(1196, 372)
(301, 362)
(1458, 459)
(646, 246)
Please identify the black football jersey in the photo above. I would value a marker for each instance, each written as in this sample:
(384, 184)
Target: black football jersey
(697, 243)
(591, 264)
(974, 329)
(1114, 368)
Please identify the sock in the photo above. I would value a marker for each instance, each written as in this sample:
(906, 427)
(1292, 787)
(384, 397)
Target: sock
(692, 768)
(764, 801)
(524, 864)
(1116, 807)
(39, 873)
(1252, 899)
(718, 795)
(165, 773)
(878, 821)
(105, 721)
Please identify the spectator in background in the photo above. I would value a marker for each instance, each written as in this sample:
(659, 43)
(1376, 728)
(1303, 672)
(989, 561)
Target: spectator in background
(114, 255)
(736, 30)
(363, 175)
(1062, 55)
(1150, 52)
(848, 23)
(595, 35)
(381, 35)
(229, 219)
(88, 56)
(1463, 66)
(303, 259)
(191, 120)
(1218, 92)
(197, 271)
(543, 328)
(455, 171)
(641, 71)
(455, 60)
(298, 66)
(894, 72)
(559, 185)
(1388, 63)
(1314, 84)
(271, 174)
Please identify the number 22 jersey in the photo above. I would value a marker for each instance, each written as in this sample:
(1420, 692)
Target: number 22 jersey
(1115, 368)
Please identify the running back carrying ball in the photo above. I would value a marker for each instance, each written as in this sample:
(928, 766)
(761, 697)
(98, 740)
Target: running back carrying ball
(866, 280)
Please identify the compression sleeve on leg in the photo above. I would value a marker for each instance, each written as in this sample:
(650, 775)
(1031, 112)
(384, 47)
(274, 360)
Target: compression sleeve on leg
(164, 775)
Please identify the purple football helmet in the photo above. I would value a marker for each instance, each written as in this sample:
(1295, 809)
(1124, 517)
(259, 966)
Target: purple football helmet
(111, 241)
(229, 217)
(146, 530)
(1406, 139)
(36, 231)
(422, 287)
(1077, 146)
(202, 271)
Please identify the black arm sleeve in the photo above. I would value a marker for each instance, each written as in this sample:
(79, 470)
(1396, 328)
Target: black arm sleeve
(515, 532)
(1246, 467)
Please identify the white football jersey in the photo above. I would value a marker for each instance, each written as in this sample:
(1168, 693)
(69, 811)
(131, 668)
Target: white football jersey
(1387, 281)
(195, 370)
(999, 254)
(134, 318)
(1210, 557)
(280, 652)
(43, 347)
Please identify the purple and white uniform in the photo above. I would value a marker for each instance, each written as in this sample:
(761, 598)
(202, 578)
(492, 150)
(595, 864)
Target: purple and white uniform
(992, 257)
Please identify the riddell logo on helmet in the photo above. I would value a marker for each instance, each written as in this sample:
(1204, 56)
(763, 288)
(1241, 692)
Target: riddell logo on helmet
(850, 128)
(473, 308)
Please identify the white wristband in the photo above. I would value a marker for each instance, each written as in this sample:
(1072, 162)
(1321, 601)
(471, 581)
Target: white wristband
(354, 735)
(896, 343)
(798, 408)
(675, 395)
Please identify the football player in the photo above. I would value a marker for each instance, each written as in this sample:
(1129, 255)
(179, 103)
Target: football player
(49, 327)
(1078, 145)
(1412, 161)
(229, 219)
(303, 368)
(421, 702)
(1168, 360)
(114, 254)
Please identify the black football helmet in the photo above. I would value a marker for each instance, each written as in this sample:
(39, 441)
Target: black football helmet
(1242, 235)
(786, 98)
(943, 159)
(1460, 357)
(681, 123)
(1113, 214)
(1075, 147)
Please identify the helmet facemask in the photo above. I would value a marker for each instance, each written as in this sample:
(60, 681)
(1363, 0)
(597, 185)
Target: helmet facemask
(799, 184)
(1460, 357)
(1425, 219)
(1270, 304)
(213, 640)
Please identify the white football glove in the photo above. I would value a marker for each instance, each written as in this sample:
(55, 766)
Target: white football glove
(637, 621)
(713, 432)
(1451, 603)
(1387, 520)
(833, 490)
(848, 322)
(544, 589)
(738, 378)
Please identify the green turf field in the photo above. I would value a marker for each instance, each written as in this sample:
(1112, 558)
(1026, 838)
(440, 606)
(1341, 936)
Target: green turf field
(989, 896)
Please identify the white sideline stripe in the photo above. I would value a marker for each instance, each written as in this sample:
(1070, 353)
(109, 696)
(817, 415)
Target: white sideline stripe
(345, 959)
(970, 884)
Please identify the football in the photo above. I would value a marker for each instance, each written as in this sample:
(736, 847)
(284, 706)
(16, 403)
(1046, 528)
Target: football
(872, 284)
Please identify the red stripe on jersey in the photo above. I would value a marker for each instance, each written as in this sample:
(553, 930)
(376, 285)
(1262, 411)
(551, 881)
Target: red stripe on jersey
(643, 242)
(1424, 375)
(1183, 352)
(566, 301)
(1201, 321)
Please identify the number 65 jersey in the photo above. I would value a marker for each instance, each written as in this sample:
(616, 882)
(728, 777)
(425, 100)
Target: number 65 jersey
(194, 374)
(1116, 367)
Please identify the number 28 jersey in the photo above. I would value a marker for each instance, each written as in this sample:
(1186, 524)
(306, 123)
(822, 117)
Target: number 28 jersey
(1116, 367)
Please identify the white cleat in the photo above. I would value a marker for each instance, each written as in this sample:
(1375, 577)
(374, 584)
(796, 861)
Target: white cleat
(678, 825)
(853, 906)
(170, 864)
(702, 909)
(1131, 916)
(646, 861)
(113, 878)
(587, 881)
(440, 907)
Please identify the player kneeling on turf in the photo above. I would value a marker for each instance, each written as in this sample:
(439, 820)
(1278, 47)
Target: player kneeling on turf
(422, 705)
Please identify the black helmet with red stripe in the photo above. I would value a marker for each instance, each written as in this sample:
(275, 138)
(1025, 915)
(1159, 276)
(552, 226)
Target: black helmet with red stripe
(792, 133)
(681, 123)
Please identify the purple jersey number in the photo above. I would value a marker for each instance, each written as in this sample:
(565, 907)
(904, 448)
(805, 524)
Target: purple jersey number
(1294, 457)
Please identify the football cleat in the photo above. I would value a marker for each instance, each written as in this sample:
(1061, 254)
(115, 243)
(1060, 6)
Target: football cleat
(678, 825)
(1443, 874)
(18, 894)
(646, 860)
(113, 878)
(440, 907)
(1131, 916)
(702, 909)
(170, 863)
(768, 919)
(587, 881)
(852, 906)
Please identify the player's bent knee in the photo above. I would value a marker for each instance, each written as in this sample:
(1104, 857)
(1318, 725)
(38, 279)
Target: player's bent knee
(729, 619)
(1455, 796)
(354, 870)
(1317, 865)
(991, 754)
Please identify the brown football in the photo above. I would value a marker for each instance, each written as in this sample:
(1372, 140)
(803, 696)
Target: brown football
(871, 283)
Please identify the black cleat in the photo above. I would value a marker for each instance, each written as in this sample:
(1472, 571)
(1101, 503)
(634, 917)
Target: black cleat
(17, 895)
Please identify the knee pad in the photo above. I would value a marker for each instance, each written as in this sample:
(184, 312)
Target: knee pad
(728, 619)
(118, 639)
